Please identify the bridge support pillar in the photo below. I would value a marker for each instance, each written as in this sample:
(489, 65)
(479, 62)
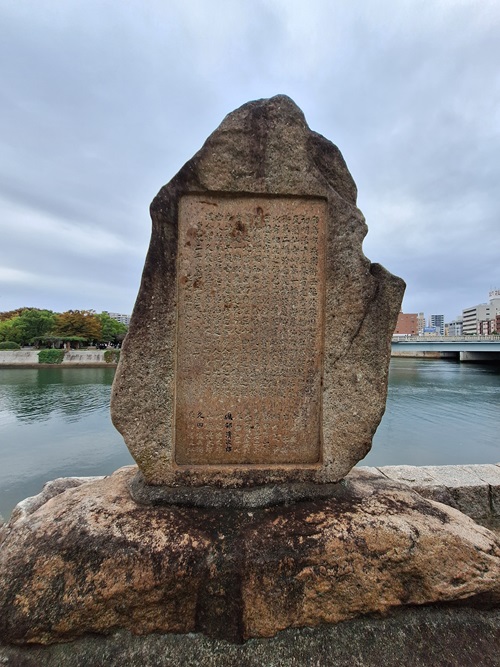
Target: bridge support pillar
(479, 356)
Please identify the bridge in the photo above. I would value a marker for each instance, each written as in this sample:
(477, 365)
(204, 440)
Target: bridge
(465, 348)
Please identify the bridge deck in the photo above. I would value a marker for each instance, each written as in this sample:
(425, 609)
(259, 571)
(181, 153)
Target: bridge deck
(447, 344)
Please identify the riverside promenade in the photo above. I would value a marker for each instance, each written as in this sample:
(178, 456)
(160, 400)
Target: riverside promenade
(29, 358)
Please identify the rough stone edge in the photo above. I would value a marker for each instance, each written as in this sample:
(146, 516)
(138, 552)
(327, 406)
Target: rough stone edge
(50, 489)
(474, 489)
(418, 637)
(430, 485)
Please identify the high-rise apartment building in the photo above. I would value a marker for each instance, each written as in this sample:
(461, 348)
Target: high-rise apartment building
(437, 321)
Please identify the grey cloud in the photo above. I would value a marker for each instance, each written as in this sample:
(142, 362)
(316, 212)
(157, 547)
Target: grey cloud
(101, 104)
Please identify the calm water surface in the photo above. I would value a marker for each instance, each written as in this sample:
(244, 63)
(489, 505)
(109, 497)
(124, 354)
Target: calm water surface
(55, 422)
(439, 412)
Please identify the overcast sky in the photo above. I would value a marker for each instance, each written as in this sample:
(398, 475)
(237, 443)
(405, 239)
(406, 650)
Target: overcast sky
(102, 102)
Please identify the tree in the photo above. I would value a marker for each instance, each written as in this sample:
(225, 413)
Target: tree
(9, 314)
(11, 330)
(36, 324)
(78, 323)
(112, 330)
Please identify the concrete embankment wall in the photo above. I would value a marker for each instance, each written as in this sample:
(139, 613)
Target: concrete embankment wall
(473, 489)
(15, 358)
(425, 355)
(18, 357)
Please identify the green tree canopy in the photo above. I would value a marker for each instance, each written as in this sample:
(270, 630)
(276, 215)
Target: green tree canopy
(36, 323)
(11, 330)
(112, 330)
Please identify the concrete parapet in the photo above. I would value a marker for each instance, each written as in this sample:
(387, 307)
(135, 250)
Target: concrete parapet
(473, 489)
(29, 358)
(421, 354)
(18, 357)
(84, 357)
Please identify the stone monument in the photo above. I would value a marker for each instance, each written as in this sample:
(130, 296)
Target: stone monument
(265, 328)
(251, 381)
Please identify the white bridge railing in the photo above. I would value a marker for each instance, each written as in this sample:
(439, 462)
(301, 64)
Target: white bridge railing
(404, 338)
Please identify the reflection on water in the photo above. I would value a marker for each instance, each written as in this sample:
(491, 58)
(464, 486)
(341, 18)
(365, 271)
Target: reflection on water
(41, 394)
(439, 412)
(54, 422)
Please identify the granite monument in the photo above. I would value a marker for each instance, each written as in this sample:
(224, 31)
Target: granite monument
(259, 345)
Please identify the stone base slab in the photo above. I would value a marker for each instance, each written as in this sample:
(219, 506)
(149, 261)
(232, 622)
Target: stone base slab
(206, 496)
(90, 560)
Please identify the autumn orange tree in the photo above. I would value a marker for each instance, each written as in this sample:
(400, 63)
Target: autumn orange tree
(10, 314)
(78, 326)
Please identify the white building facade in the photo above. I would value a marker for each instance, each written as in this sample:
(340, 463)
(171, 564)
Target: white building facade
(119, 317)
(456, 327)
(481, 318)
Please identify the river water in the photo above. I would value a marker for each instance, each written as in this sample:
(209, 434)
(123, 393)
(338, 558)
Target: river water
(54, 422)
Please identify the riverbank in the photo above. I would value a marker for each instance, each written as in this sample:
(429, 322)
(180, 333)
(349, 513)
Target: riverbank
(96, 358)
(75, 358)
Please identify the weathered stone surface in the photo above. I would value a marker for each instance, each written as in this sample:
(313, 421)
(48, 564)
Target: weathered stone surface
(250, 305)
(53, 488)
(415, 637)
(421, 481)
(468, 490)
(473, 489)
(259, 344)
(490, 474)
(91, 560)
(414, 475)
(209, 496)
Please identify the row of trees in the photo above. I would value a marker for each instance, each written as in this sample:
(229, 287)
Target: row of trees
(44, 328)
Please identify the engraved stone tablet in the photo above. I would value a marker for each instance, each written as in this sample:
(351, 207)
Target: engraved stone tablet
(259, 343)
(250, 303)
